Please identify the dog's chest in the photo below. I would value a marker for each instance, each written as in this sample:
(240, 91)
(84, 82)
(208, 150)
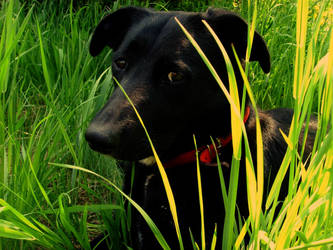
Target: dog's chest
(154, 202)
(154, 197)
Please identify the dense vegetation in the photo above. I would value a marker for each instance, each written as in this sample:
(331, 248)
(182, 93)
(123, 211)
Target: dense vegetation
(50, 87)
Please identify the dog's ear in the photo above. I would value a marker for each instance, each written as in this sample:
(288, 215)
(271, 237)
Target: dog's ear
(112, 29)
(232, 29)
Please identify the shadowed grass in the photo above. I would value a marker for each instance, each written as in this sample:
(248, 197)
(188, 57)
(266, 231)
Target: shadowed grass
(150, 223)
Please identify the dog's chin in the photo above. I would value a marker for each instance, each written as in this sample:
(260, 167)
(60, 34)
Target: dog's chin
(130, 155)
(148, 161)
(101, 150)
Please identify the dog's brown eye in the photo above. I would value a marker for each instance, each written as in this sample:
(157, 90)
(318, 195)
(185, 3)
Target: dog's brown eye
(121, 63)
(175, 76)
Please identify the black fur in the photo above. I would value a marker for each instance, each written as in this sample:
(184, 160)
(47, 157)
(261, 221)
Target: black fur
(147, 46)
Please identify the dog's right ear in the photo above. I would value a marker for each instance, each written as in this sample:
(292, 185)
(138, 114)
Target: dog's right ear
(112, 29)
(232, 30)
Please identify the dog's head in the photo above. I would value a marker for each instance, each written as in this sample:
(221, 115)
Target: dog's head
(166, 80)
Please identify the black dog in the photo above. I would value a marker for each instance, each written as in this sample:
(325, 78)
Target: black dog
(177, 97)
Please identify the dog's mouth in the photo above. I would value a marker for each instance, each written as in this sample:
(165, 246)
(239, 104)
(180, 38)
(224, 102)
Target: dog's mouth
(140, 151)
(131, 146)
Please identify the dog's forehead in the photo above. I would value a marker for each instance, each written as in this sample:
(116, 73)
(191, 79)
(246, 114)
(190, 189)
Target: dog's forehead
(157, 32)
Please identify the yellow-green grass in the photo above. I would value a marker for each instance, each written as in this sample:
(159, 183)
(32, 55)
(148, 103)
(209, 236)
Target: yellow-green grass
(50, 88)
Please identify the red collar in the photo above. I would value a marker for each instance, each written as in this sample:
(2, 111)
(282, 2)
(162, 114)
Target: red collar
(207, 154)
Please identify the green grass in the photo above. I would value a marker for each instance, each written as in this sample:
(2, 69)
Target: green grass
(50, 87)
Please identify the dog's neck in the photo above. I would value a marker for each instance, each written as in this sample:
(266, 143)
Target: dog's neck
(207, 154)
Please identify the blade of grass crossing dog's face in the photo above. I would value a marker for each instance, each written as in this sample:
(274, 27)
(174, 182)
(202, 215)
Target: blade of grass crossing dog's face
(255, 189)
(215, 75)
(233, 90)
(236, 129)
(229, 221)
(210, 67)
(149, 221)
(165, 180)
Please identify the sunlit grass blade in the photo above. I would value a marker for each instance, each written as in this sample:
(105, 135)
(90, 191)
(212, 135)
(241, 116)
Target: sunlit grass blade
(164, 176)
(315, 244)
(35, 129)
(19, 215)
(241, 235)
(9, 230)
(233, 91)
(255, 189)
(203, 237)
(214, 238)
(290, 225)
(237, 127)
(326, 107)
(259, 181)
(301, 31)
(212, 70)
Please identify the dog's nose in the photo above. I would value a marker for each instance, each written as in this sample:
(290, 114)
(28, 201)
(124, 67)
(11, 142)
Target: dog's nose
(98, 140)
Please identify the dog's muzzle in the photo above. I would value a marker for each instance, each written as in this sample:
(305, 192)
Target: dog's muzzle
(98, 140)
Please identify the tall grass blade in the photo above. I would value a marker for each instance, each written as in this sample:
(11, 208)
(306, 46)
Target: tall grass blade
(9, 230)
(237, 128)
(44, 65)
(214, 238)
(203, 237)
(164, 176)
(316, 244)
(301, 30)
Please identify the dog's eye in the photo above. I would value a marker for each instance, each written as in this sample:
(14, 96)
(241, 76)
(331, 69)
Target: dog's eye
(121, 63)
(175, 77)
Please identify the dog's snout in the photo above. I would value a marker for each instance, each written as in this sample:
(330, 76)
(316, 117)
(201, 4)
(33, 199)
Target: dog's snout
(98, 140)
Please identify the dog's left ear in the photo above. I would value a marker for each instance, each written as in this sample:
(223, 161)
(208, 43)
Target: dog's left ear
(113, 28)
(232, 29)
